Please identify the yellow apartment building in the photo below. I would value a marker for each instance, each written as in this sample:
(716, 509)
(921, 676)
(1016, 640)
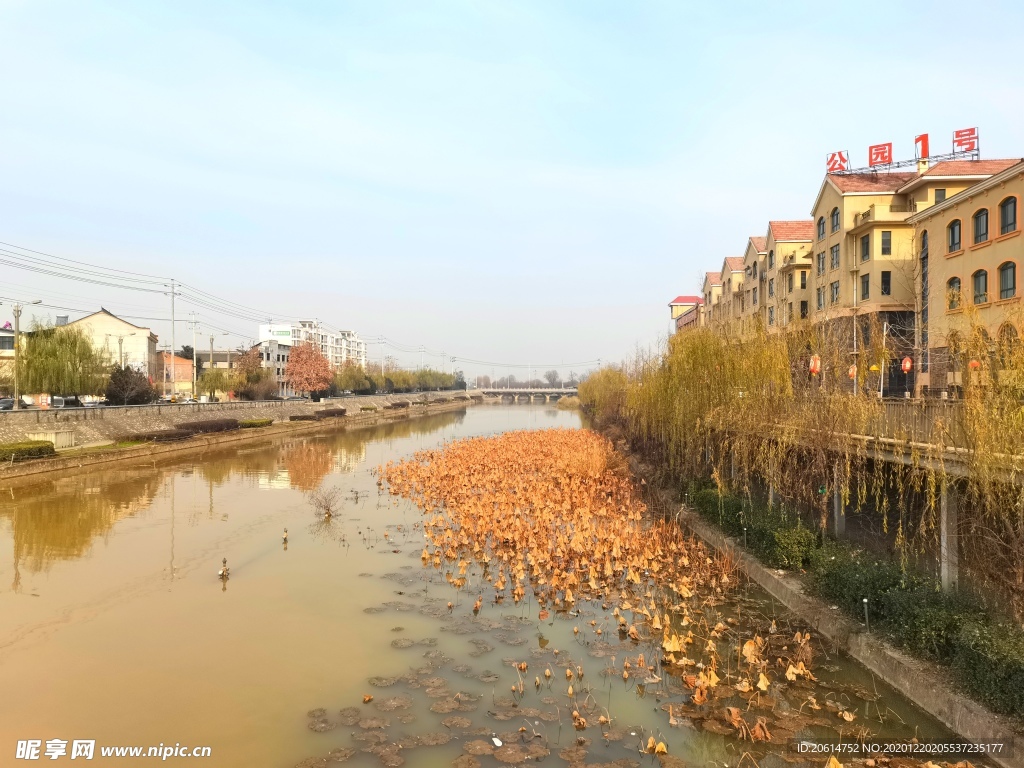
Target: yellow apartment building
(969, 252)
(687, 312)
(786, 274)
(752, 299)
(729, 310)
(711, 291)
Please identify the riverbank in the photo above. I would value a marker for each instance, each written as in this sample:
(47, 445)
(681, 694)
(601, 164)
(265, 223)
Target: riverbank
(84, 460)
(926, 684)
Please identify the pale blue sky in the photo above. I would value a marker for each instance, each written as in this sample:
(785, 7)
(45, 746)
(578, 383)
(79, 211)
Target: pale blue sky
(508, 181)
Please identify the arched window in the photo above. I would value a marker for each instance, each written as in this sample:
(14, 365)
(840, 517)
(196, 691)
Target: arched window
(835, 219)
(953, 293)
(771, 259)
(953, 232)
(1009, 345)
(1007, 280)
(924, 243)
(981, 226)
(979, 280)
(821, 227)
(1008, 216)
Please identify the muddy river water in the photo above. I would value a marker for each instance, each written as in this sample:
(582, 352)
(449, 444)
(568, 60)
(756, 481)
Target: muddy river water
(115, 628)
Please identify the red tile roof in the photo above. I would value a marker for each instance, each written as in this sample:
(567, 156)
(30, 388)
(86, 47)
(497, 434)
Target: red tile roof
(735, 263)
(870, 182)
(790, 231)
(758, 243)
(715, 278)
(970, 167)
(686, 300)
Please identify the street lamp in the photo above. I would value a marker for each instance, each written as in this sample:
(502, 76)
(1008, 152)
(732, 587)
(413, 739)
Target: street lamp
(17, 349)
(120, 346)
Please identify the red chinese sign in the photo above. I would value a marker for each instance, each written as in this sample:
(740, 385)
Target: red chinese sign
(965, 140)
(880, 154)
(838, 161)
(921, 146)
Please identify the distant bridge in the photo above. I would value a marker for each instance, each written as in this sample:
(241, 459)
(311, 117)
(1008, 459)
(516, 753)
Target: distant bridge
(529, 393)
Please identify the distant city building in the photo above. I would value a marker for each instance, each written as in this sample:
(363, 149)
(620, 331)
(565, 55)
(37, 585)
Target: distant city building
(339, 347)
(687, 311)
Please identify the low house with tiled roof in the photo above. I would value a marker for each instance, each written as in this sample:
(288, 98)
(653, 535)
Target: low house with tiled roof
(687, 312)
(787, 290)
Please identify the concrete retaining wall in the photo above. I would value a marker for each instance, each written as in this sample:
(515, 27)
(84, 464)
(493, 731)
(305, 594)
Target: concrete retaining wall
(92, 425)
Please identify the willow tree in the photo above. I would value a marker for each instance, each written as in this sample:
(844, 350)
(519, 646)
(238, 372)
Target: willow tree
(62, 361)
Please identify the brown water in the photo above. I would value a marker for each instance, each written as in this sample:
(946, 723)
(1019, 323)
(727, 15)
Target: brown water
(114, 625)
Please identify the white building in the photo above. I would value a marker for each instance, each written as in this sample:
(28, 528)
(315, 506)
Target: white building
(274, 355)
(121, 341)
(338, 347)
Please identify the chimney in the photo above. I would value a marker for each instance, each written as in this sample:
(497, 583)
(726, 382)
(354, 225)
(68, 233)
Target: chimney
(922, 166)
(62, 320)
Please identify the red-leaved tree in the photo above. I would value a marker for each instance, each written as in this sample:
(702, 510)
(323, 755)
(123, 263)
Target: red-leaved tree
(308, 370)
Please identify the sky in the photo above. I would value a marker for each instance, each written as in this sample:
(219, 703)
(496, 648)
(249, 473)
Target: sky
(514, 183)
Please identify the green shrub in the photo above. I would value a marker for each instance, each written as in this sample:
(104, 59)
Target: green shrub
(792, 547)
(329, 413)
(989, 662)
(254, 423)
(302, 417)
(208, 425)
(157, 436)
(26, 449)
(368, 408)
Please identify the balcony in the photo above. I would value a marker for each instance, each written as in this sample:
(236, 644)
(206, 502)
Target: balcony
(884, 213)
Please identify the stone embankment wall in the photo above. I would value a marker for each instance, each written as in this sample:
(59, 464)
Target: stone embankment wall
(92, 425)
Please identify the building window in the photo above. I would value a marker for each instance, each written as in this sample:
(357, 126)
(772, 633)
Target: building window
(771, 259)
(771, 286)
(1009, 345)
(834, 294)
(953, 231)
(755, 297)
(821, 263)
(886, 243)
(1007, 280)
(803, 278)
(821, 228)
(753, 269)
(821, 298)
(789, 282)
(1008, 216)
(865, 287)
(789, 313)
(835, 219)
(865, 247)
(886, 285)
(771, 315)
(981, 226)
(940, 195)
(834, 257)
(980, 281)
(803, 310)
(7, 342)
(953, 293)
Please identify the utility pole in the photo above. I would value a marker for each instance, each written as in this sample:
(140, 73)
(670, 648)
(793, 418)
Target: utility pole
(194, 358)
(17, 351)
(120, 346)
(173, 353)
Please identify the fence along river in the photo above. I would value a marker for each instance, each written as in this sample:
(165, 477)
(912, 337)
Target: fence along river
(115, 627)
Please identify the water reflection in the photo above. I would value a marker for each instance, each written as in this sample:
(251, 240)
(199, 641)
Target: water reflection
(61, 518)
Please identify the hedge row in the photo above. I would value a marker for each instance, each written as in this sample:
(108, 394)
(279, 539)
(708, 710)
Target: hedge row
(370, 408)
(254, 423)
(156, 436)
(302, 417)
(26, 449)
(330, 413)
(986, 656)
(208, 425)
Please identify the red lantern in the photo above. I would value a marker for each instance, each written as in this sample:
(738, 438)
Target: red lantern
(815, 366)
(974, 365)
(906, 364)
(852, 373)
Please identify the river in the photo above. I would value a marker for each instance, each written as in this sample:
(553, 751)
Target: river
(115, 627)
